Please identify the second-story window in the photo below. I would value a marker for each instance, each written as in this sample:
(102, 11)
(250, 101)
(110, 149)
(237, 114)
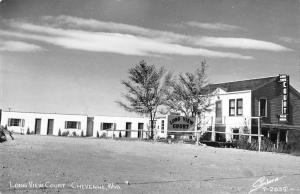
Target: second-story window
(239, 107)
(232, 107)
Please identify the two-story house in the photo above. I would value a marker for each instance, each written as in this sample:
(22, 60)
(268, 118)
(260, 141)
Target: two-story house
(237, 106)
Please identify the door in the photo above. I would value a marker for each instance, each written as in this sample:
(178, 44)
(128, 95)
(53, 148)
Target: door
(128, 128)
(37, 128)
(50, 126)
(219, 112)
(90, 125)
(140, 130)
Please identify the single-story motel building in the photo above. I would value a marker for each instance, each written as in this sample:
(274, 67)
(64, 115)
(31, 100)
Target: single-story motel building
(235, 107)
(52, 123)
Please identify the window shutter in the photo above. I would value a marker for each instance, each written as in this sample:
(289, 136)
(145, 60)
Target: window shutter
(23, 122)
(101, 126)
(115, 126)
(79, 125)
(9, 122)
(65, 124)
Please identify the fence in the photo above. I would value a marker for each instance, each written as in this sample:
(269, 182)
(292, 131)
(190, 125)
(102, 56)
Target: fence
(198, 132)
(116, 131)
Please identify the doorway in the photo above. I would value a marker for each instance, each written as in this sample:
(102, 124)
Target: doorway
(140, 130)
(50, 126)
(37, 128)
(219, 112)
(128, 128)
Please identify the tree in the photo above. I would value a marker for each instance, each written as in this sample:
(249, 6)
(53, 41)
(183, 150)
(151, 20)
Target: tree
(146, 90)
(188, 93)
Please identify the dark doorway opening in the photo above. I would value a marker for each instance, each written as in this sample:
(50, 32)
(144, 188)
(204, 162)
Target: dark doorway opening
(140, 130)
(90, 125)
(220, 137)
(128, 128)
(50, 126)
(37, 128)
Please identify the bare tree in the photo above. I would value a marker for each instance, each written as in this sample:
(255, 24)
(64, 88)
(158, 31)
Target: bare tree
(146, 90)
(188, 93)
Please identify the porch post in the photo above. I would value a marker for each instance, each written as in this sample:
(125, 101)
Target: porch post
(113, 131)
(278, 138)
(259, 133)
(213, 133)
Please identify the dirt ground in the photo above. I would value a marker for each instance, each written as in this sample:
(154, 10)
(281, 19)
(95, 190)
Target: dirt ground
(47, 164)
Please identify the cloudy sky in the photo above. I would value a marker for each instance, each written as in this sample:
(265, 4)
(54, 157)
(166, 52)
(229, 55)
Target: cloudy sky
(70, 56)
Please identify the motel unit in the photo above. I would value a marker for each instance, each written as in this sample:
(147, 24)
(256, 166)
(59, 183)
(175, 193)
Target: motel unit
(43, 123)
(131, 127)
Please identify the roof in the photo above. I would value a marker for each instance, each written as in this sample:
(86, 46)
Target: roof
(15, 111)
(250, 84)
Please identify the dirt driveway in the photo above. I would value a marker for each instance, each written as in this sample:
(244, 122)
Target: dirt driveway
(46, 164)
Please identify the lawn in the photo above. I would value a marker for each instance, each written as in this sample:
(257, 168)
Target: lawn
(37, 164)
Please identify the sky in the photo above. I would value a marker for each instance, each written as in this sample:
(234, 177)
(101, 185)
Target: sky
(70, 56)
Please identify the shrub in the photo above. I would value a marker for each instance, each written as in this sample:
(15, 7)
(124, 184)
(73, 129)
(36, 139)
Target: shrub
(266, 145)
(103, 135)
(74, 134)
(28, 131)
(82, 134)
(98, 134)
(59, 132)
(65, 133)
(206, 136)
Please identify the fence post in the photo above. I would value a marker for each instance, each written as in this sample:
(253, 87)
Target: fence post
(278, 138)
(259, 134)
(213, 130)
(196, 134)
(142, 133)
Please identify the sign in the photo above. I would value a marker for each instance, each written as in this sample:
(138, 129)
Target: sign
(284, 79)
(181, 123)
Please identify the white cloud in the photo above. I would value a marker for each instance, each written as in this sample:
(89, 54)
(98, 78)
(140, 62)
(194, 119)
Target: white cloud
(92, 24)
(98, 36)
(289, 39)
(213, 26)
(112, 42)
(166, 36)
(240, 43)
(18, 46)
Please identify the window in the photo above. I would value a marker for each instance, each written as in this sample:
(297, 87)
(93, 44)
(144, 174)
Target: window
(107, 126)
(239, 107)
(232, 107)
(235, 137)
(16, 122)
(73, 125)
(162, 126)
(263, 107)
(140, 125)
